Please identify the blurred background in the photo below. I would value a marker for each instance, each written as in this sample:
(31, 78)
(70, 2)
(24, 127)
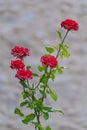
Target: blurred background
(33, 24)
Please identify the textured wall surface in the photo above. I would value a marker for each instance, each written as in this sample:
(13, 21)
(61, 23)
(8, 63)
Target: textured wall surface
(33, 23)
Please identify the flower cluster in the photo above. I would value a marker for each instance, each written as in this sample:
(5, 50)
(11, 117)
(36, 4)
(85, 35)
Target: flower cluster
(18, 64)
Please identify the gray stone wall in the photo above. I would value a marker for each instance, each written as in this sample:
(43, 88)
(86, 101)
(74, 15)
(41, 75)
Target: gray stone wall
(33, 23)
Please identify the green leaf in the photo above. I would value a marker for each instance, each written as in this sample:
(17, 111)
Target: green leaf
(52, 76)
(66, 46)
(35, 75)
(49, 49)
(60, 111)
(60, 70)
(53, 96)
(41, 86)
(32, 105)
(41, 68)
(46, 54)
(48, 128)
(18, 112)
(44, 79)
(56, 47)
(23, 103)
(43, 93)
(37, 125)
(39, 105)
(64, 51)
(46, 115)
(31, 91)
(23, 84)
(48, 109)
(25, 121)
(59, 34)
(28, 118)
(25, 95)
(28, 67)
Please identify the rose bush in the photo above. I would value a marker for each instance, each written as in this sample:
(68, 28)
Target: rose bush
(35, 94)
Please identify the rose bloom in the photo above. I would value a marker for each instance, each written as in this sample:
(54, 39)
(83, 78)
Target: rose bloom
(23, 74)
(20, 52)
(17, 64)
(70, 24)
(50, 61)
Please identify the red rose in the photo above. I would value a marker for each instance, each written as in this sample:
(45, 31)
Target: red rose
(70, 24)
(50, 61)
(17, 64)
(20, 52)
(44, 60)
(23, 74)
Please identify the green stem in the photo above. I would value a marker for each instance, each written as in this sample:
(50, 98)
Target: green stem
(38, 117)
(56, 57)
(28, 84)
(46, 84)
(37, 113)
(62, 43)
(26, 95)
(41, 79)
